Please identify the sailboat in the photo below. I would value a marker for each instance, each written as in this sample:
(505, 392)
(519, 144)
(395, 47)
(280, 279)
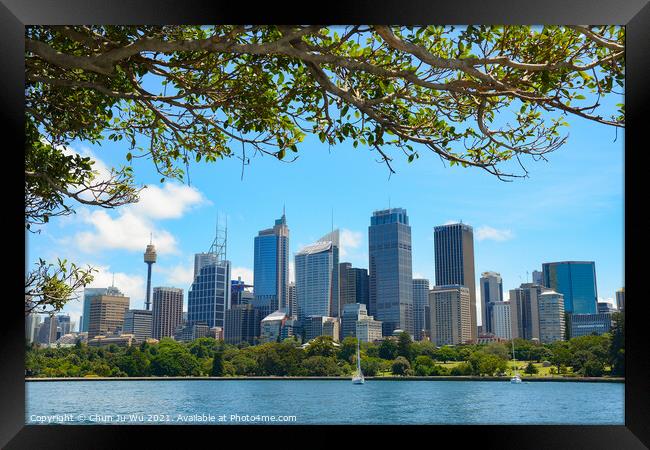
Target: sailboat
(357, 378)
(516, 378)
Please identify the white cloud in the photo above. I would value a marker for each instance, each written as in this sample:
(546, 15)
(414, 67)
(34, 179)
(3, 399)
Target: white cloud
(128, 231)
(179, 275)
(130, 227)
(488, 233)
(349, 240)
(245, 273)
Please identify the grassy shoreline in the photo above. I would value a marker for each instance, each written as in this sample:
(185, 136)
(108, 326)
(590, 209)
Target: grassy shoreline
(382, 378)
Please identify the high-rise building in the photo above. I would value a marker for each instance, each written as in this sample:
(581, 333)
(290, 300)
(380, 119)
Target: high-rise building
(64, 325)
(454, 262)
(32, 321)
(240, 292)
(149, 260)
(107, 313)
(271, 267)
(390, 270)
(500, 320)
(354, 284)
(293, 305)
(551, 316)
(317, 278)
(576, 281)
(538, 277)
(47, 330)
(89, 293)
(420, 308)
(138, 322)
(167, 311)
(620, 299)
(524, 311)
(209, 295)
(449, 308)
(242, 325)
(352, 312)
(491, 291)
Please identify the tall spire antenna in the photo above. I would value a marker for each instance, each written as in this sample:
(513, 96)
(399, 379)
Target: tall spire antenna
(150, 238)
(283, 209)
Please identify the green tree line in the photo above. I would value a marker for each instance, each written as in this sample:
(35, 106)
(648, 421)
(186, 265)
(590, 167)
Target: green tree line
(581, 356)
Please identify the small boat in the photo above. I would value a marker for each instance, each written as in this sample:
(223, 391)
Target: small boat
(516, 379)
(357, 378)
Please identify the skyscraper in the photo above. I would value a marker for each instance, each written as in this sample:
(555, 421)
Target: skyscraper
(149, 259)
(454, 262)
(620, 299)
(317, 278)
(167, 311)
(551, 316)
(107, 313)
(352, 312)
(271, 267)
(491, 291)
(293, 305)
(524, 311)
(576, 281)
(450, 315)
(89, 293)
(242, 324)
(390, 270)
(500, 320)
(354, 284)
(538, 277)
(420, 307)
(209, 295)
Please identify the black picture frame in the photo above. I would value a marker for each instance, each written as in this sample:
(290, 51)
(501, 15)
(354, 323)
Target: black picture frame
(635, 15)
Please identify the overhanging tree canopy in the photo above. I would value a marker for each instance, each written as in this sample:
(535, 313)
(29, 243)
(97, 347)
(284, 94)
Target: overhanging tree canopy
(476, 96)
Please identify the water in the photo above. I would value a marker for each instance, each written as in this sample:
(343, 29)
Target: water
(324, 402)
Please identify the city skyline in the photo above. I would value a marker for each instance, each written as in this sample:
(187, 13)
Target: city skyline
(570, 208)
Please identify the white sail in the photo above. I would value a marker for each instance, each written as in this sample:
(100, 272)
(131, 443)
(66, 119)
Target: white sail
(358, 377)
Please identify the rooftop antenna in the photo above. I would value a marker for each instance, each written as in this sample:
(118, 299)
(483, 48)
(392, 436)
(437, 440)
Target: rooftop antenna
(113, 283)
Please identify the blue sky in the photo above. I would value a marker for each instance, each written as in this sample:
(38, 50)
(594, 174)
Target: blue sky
(570, 208)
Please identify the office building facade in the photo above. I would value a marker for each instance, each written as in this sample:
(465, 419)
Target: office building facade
(454, 262)
(271, 266)
(420, 308)
(317, 278)
(89, 293)
(139, 323)
(524, 311)
(491, 291)
(551, 317)
(354, 285)
(450, 308)
(209, 295)
(242, 325)
(586, 324)
(368, 329)
(576, 281)
(352, 312)
(107, 314)
(501, 320)
(390, 270)
(620, 299)
(167, 311)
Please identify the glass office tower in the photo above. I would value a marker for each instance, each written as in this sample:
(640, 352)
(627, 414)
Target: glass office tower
(271, 267)
(209, 295)
(576, 281)
(317, 278)
(390, 270)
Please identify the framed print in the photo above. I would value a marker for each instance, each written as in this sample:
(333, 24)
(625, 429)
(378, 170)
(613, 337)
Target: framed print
(375, 218)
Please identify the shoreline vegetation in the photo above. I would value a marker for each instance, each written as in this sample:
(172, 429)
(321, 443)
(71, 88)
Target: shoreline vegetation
(308, 378)
(579, 359)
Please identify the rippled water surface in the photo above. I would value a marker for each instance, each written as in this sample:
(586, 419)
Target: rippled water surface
(324, 402)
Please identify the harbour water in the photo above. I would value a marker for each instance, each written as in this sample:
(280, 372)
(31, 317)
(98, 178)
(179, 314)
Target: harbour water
(289, 402)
